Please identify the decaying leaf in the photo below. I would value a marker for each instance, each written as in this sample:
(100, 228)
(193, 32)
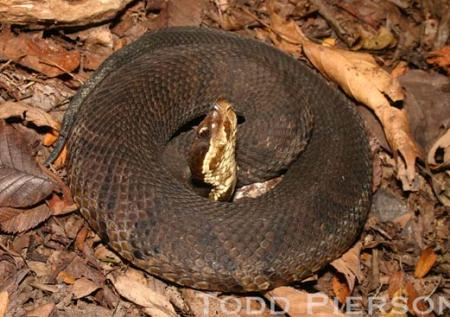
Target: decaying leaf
(133, 288)
(340, 288)
(42, 55)
(27, 113)
(425, 263)
(22, 181)
(83, 287)
(59, 12)
(441, 58)
(298, 303)
(45, 310)
(349, 265)
(13, 220)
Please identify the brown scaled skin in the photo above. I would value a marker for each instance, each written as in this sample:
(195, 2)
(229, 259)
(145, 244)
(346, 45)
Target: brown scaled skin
(212, 155)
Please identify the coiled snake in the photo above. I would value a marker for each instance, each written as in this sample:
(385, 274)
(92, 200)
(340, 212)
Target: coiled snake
(121, 122)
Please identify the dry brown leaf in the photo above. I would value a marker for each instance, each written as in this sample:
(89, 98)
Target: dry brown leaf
(441, 58)
(382, 39)
(298, 303)
(285, 34)
(83, 287)
(81, 238)
(22, 181)
(27, 113)
(349, 265)
(3, 303)
(42, 55)
(61, 205)
(396, 283)
(439, 154)
(426, 261)
(45, 310)
(133, 288)
(340, 288)
(59, 12)
(416, 305)
(19, 220)
(361, 78)
(66, 278)
(39, 268)
(184, 13)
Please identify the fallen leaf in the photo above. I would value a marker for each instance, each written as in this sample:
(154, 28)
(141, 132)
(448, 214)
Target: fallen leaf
(416, 304)
(14, 220)
(81, 238)
(61, 205)
(42, 55)
(426, 261)
(28, 113)
(22, 181)
(340, 288)
(136, 291)
(184, 13)
(83, 287)
(42, 311)
(298, 303)
(441, 58)
(66, 278)
(3, 303)
(349, 265)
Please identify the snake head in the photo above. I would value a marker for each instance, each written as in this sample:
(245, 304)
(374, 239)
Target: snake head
(212, 154)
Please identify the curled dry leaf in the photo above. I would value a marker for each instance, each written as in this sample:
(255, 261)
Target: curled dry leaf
(134, 288)
(83, 287)
(42, 55)
(426, 261)
(298, 303)
(13, 220)
(22, 181)
(360, 77)
(349, 265)
(27, 113)
(59, 12)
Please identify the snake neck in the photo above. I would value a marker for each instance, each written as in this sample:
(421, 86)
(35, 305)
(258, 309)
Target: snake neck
(212, 158)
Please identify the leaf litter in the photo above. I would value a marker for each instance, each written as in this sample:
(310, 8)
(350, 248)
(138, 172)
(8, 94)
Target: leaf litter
(58, 266)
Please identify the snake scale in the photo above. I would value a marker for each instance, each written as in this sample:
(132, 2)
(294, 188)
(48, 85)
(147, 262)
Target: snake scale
(120, 122)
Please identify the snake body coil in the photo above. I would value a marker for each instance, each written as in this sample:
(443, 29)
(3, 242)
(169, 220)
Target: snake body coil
(121, 121)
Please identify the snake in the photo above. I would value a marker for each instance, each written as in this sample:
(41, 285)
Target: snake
(130, 121)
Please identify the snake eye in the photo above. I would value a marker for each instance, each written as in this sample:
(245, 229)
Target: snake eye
(203, 132)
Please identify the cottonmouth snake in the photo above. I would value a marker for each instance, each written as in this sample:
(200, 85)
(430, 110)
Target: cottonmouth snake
(120, 122)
